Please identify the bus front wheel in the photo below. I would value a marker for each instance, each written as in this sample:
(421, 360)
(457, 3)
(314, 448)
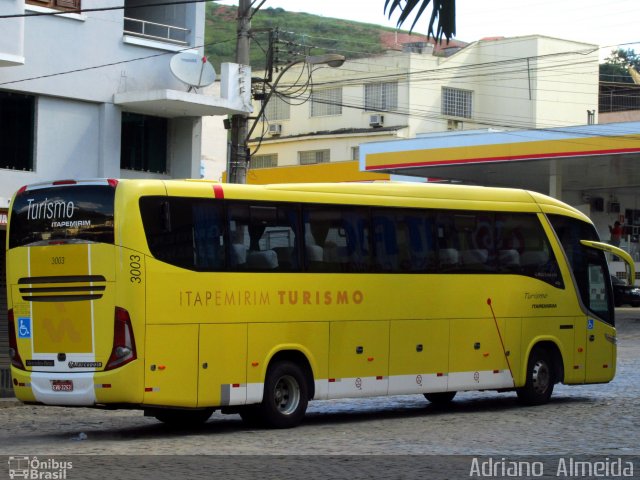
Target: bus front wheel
(540, 379)
(285, 395)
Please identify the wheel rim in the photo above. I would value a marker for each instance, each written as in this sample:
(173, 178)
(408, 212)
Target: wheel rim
(541, 377)
(286, 395)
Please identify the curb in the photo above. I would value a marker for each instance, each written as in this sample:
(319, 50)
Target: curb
(10, 402)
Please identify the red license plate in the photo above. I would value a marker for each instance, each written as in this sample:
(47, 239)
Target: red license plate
(62, 385)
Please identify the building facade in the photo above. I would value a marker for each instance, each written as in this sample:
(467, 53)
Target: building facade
(503, 83)
(87, 90)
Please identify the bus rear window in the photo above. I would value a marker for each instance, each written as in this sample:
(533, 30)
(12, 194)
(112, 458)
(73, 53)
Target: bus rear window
(70, 213)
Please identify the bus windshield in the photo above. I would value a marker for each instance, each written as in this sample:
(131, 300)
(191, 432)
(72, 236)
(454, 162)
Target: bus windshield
(68, 214)
(589, 266)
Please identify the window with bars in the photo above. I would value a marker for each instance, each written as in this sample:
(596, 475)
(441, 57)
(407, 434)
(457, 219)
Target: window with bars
(326, 102)
(264, 161)
(457, 102)
(57, 4)
(277, 109)
(311, 157)
(381, 97)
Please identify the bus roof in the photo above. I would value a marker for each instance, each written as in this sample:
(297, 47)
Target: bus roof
(384, 193)
(407, 194)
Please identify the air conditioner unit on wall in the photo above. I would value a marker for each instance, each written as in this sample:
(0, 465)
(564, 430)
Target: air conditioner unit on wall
(275, 129)
(376, 120)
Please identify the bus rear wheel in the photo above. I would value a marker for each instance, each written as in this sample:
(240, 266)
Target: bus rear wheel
(540, 379)
(285, 396)
(440, 399)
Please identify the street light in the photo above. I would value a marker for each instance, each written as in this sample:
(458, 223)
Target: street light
(238, 166)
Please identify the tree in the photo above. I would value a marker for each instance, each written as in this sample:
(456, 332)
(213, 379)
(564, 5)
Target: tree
(443, 10)
(616, 66)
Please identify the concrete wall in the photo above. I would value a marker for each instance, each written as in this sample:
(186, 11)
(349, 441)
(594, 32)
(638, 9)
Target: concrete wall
(12, 37)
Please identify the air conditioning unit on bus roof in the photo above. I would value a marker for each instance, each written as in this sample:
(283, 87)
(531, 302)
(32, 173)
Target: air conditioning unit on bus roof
(275, 129)
(376, 120)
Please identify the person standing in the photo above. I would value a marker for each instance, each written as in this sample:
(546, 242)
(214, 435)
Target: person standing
(616, 234)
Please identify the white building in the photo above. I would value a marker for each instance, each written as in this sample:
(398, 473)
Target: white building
(505, 83)
(90, 94)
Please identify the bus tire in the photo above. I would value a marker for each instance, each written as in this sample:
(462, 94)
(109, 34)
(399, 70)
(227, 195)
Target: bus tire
(440, 399)
(540, 379)
(285, 395)
(183, 418)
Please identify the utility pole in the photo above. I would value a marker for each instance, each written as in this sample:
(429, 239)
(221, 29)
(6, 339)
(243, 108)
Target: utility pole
(239, 157)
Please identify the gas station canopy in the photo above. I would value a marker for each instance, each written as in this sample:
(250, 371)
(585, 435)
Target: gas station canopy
(551, 161)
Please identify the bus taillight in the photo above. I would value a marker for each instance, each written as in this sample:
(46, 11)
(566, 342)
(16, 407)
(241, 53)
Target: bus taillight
(124, 345)
(16, 361)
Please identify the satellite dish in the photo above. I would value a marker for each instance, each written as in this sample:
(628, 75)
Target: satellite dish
(192, 69)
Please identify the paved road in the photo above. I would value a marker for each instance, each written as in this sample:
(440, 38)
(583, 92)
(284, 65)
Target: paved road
(591, 420)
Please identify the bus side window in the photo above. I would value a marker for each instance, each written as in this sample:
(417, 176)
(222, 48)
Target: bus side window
(343, 235)
(448, 242)
(263, 236)
(466, 242)
(185, 232)
(208, 236)
(403, 240)
(386, 233)
(523, 248)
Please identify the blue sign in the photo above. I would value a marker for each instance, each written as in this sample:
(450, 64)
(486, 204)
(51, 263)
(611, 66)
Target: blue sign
(590, 324)
(24, 327)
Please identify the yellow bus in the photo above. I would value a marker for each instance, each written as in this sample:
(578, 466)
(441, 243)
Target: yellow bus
(182, 297)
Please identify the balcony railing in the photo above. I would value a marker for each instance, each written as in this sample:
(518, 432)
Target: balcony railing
(155, 31)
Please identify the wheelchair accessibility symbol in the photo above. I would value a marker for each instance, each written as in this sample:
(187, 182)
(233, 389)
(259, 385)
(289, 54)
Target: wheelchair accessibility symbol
(24, 327)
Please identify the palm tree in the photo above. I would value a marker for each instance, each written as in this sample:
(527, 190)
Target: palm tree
(443, 10)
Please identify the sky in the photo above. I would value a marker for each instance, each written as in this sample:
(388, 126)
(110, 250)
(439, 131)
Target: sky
(607, 23)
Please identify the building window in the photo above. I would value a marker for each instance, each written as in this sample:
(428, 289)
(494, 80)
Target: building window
(355, 153)
(264, 161)
(381, 97)
(144, 143)
(456, 102)
(326, 102)
(311, 157)
(277, 109)
(57, 4)
(17, 126)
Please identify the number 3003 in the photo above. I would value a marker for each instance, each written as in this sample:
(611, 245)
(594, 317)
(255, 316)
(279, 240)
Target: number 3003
(134, 269)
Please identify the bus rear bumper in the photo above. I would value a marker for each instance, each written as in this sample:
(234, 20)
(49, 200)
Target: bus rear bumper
(119, 386)
(60, 389)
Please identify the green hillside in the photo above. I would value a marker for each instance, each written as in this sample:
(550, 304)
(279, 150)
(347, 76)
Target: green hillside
(299, 33)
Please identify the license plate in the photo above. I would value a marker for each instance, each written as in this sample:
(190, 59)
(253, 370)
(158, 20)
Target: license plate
(62, 385)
